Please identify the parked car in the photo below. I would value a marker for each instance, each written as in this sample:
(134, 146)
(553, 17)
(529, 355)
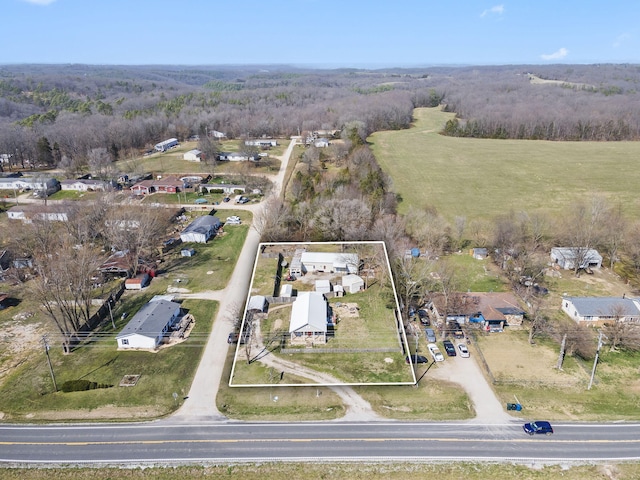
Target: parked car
(435, 352)
(416, 359)
(449, 348)
(226, 199)
(538, 426)
(430, 334)
(424, 317)
(464, 351)
(232, 338)
(200, 201)
(244, 200)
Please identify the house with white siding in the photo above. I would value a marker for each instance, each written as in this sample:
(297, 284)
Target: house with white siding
(149, 325)
(309, 319)
(599, 310)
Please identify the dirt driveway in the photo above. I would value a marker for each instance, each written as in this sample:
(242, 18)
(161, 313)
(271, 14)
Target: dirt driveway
(467, 373)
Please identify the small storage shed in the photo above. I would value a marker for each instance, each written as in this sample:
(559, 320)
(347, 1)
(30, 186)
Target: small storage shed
(192, 155)
(323, 286)
(352, 283)
(137, 283)
(257, 303)
(286, 291)
(187, 252)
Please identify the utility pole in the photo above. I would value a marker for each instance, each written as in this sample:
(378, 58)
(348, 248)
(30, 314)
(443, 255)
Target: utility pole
(46, 351)
(595, 361)
(110, 312)
(561, 356)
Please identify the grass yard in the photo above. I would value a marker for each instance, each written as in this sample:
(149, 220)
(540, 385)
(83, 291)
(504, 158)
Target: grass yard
(28, 392)
(480, 178)
(292, 404)
(211, 266)
(476, 275)
(529, 373)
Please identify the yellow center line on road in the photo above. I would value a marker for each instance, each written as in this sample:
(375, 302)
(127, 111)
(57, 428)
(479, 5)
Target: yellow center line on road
(305, 440)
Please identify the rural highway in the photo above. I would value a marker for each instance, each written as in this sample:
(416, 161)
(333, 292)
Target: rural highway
(168, 442)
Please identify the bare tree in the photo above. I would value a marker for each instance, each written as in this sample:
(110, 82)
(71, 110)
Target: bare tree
(413, 279)
(537, 317)
(583, 230)
(271, 220)
(135, 231)
(100, 163)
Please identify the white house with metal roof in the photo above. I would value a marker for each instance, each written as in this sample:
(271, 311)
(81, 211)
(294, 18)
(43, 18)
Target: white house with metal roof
(148, 327)
(309, 318)
(567, 257)
(331, 262)
(193, 155)
(201, 229)
(600, 310)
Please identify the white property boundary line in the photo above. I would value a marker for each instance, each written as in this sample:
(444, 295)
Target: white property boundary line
(398, 314)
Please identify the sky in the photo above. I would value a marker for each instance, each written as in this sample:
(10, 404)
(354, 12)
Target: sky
(321, 33)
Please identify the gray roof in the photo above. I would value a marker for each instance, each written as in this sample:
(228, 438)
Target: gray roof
(203, 224)
(150, 319)
(604, 306)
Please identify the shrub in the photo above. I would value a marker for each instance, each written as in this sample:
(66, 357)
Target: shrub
(82, 385)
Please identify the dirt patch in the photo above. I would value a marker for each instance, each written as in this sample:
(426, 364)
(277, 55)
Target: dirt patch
(108, 412)
(346, 310)
(18, 342)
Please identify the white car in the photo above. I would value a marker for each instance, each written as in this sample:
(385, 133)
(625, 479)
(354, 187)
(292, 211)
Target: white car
(464, 351)
(234, 220)
(435, 352)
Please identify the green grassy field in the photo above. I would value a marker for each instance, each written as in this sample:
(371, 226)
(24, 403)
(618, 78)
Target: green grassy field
(353, 471)
(479, 178)
(28, 392)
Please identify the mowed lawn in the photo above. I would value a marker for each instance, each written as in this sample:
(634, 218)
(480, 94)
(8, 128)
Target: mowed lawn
(481, 177)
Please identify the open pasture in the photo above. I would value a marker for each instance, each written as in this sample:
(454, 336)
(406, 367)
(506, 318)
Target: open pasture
(480, 178)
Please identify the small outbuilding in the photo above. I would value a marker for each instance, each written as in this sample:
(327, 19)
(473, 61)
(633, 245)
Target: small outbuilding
(323, 286)
(194, 155)
(568, 257)
(352, 283)
(137, 283)
(187, 252)
(257, 303)
(286, 291)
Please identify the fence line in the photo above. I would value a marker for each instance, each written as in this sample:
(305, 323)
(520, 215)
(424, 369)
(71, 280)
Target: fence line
(341, 350)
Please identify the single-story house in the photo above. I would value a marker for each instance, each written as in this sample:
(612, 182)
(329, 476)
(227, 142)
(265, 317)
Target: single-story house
(263, 143)
(149, 325)
(237, 157)
(323, 286)
(494, 310)
(227, 188)
(145, 187)
(217, 134)
(352, 283)
(321, 143)
(325, 262)
(168, 184)
(137, 283)
(193, 155)
(84, 185)
(201, 229)
(567, 257)
(166, 145)
(309, 319)
(600, 310)
(30, 212)
(50, 185)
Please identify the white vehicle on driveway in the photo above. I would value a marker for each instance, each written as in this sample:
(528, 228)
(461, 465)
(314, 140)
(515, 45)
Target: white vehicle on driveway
(464, 351)
(435, 352)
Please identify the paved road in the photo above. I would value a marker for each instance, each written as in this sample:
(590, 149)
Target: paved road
(198, 442)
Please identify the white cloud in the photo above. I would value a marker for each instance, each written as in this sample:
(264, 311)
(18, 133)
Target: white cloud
(620, 39)
(495, 10)
(563, 52)
(40, 2)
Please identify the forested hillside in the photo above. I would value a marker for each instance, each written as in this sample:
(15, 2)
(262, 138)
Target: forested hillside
(48, 113)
